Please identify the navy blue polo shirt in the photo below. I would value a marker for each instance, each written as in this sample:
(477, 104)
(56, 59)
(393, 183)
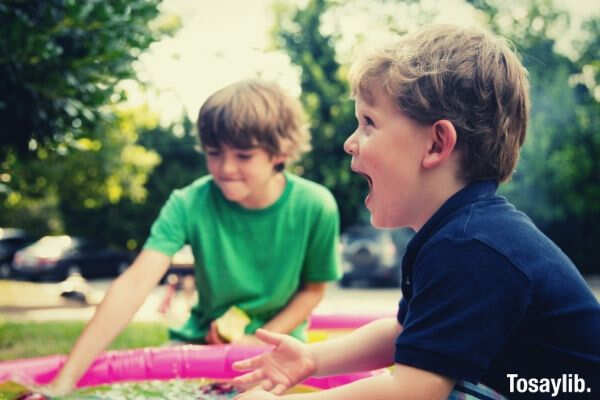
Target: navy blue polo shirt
(486, 294)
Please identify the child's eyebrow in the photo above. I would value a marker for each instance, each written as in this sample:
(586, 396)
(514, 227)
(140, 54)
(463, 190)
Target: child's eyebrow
(363, 114)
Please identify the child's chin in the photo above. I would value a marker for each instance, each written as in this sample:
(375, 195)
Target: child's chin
(236, 198)
(234, 195)
(381, 224)
(376, 223)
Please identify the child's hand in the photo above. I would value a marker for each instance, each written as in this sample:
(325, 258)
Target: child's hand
(46, 392)
(212, 336)
(278, 370)
(53, 389)
(255, 395)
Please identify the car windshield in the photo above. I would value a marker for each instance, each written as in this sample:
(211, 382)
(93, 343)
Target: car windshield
(11, 233)
(52, 246)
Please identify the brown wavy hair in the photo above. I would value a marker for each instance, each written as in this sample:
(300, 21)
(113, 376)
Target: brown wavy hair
(467, 76)
(254, 113)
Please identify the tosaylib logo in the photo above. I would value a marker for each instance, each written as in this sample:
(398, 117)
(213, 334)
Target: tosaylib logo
(567, 383)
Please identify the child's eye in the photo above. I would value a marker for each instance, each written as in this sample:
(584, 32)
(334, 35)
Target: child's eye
(369, 121)
(213, 153)
(244, 156)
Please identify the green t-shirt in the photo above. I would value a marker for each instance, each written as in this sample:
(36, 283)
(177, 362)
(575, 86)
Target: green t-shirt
(256, 259)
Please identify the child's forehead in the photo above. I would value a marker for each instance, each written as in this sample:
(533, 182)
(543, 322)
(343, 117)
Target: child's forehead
(374, 98)
(230, 147)
(372, 92)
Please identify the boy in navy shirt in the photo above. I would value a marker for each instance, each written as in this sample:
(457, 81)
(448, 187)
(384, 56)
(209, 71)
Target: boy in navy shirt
(487, 298)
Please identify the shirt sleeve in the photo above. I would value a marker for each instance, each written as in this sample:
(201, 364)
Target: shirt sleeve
(467, 300)
(321, 261)
(402, 309)
(167, 234)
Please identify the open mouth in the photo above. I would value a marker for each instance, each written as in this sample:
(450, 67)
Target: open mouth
(368, 178)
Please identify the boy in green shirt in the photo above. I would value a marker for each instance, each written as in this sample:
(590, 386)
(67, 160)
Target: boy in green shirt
(264, 240)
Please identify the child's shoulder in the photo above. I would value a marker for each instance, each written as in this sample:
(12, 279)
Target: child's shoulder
(502, 229)
(310, 191)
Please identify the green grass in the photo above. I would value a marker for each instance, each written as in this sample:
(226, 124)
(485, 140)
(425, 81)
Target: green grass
(36, 339)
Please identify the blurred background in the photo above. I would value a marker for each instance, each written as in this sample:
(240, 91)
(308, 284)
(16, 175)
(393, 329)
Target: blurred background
(98, 101)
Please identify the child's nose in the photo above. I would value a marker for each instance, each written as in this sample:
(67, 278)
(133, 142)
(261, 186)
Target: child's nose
(228, 166)
(350, 145)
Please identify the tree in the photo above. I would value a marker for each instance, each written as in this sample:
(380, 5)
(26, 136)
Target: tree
(60, 62)
(60, 190)
(181, 164)
(67, 156)
(170, 160)
(326, 98)
(556, 181)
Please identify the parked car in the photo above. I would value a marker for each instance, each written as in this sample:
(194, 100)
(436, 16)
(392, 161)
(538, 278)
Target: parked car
(11, 240)
(372, 256)
(56, 257)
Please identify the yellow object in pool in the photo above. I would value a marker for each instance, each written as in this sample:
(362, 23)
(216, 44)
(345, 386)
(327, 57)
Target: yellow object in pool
(232, 324)
(319, 335)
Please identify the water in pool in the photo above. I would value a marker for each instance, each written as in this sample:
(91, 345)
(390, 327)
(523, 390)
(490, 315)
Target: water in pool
(175, 389)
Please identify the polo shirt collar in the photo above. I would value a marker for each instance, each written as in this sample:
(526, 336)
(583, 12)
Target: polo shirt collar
(474, 191)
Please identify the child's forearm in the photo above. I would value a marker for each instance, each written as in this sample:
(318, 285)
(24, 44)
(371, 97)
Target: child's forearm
(298, 309)
(122, 300)
(404, 383)
(369, 347)
(379, 387)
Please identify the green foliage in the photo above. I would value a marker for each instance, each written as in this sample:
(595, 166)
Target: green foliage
(326, 98)
(128, 222)
(110, 190)
(181, 163)
(557, 179)
(109, 183)
(61, 189)
(38, 339)
(67, 157)
(60, 61)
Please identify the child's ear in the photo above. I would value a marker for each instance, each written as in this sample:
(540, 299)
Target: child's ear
(442, 143)
(280, 159)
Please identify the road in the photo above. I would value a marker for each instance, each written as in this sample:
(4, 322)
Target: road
(337, 301)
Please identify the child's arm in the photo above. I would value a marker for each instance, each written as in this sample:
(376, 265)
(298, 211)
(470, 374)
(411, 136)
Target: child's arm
(298, 309)
(120, 303)
(293, 314)
(369, 347)
(404, 383)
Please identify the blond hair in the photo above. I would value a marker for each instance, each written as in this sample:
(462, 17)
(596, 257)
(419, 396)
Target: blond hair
(253, 113)
(466, 76)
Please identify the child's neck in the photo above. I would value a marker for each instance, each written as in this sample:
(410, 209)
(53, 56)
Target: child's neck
(437, 192)
(273, 189)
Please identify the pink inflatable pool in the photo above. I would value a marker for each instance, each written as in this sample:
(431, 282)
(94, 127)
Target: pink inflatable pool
(184, 362)
(343, 321)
